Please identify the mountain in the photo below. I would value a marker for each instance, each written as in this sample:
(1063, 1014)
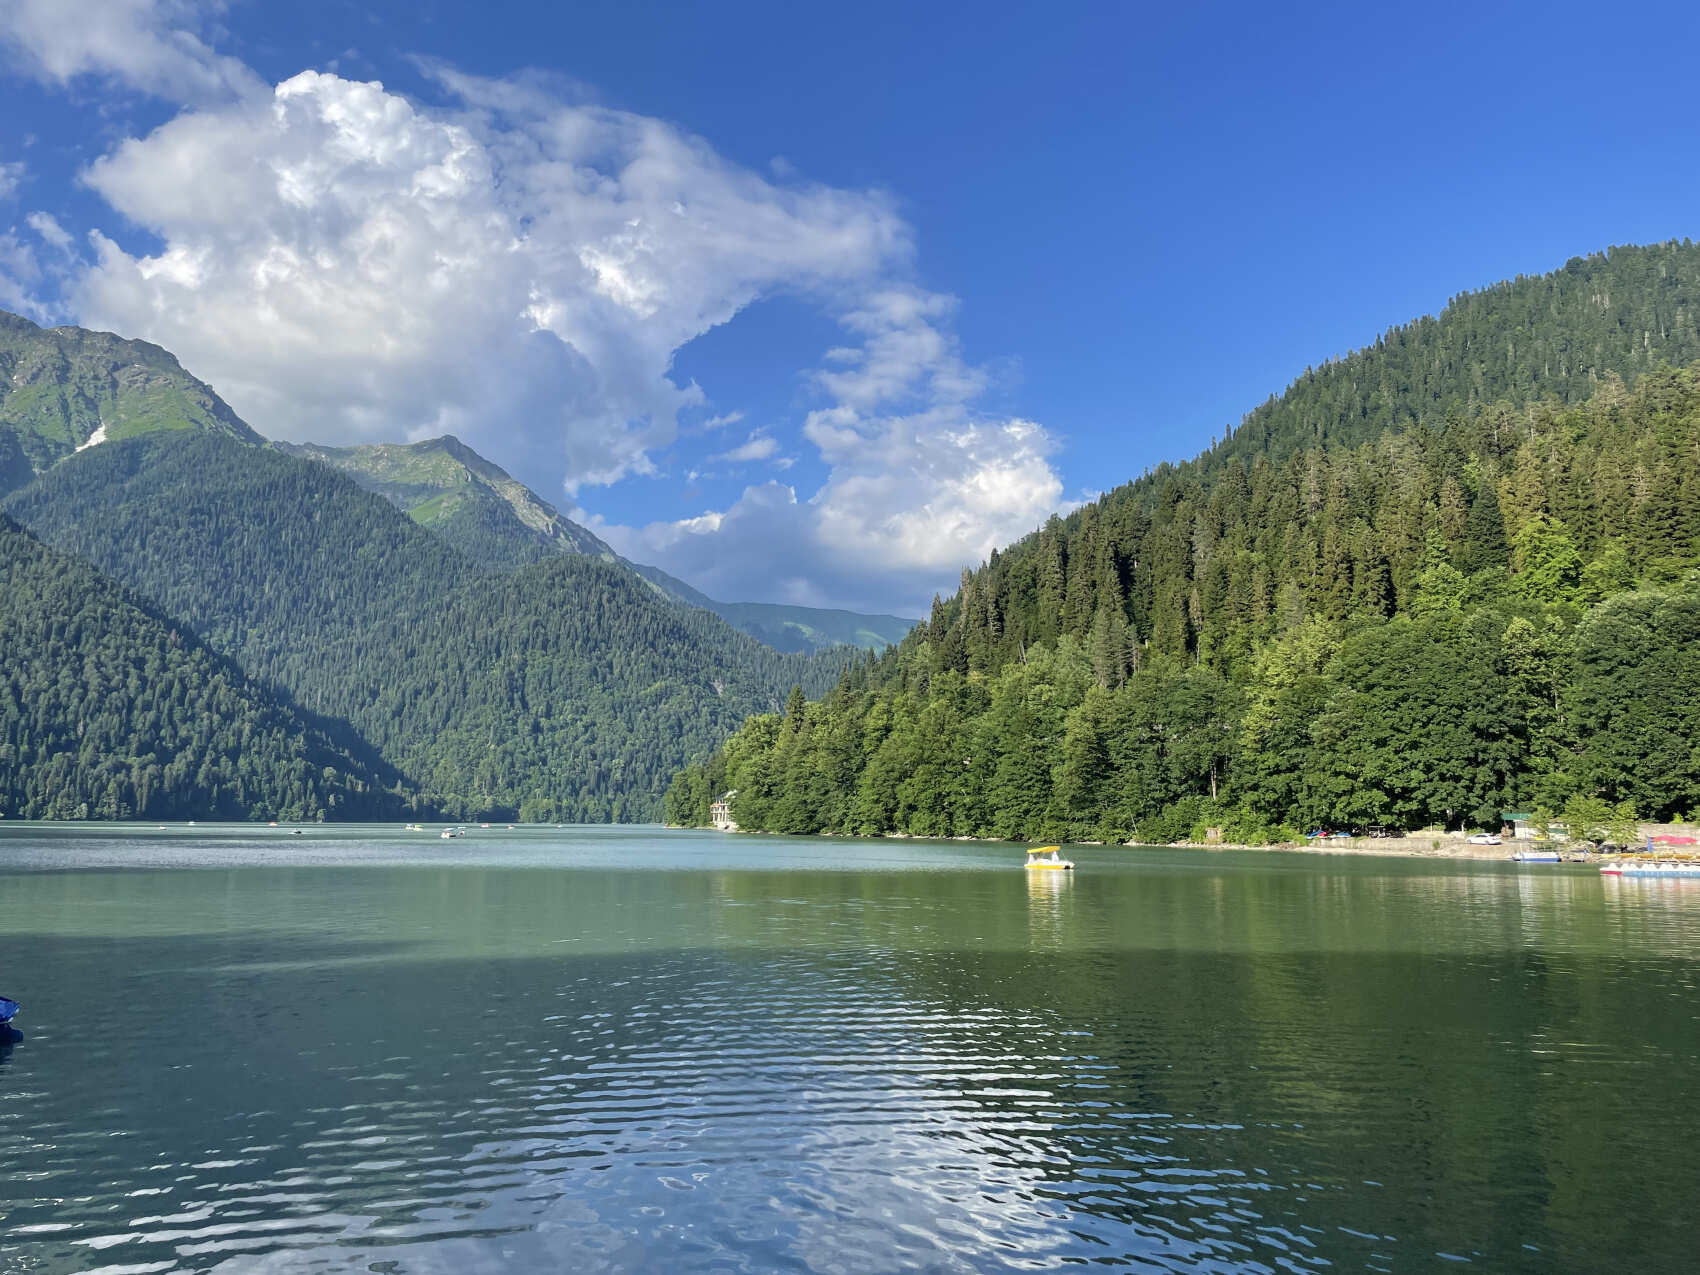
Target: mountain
(111, 710)
(498, 522)
(62, 389)
(1404, 592)
(66, 389)
(564, 690)
(788, 628)
(445, 486)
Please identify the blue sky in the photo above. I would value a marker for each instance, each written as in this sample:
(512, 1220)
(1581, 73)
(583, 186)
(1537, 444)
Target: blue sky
(805, 304)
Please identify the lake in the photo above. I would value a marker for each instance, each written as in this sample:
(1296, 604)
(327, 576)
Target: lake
(624, 1049)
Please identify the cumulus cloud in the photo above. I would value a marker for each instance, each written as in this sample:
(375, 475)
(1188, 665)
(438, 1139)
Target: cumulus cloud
(345, 264)
(919, 482)
(11, 177)
(147, 45)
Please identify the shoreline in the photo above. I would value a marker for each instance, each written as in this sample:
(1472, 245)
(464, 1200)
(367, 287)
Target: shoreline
(1367, 847)
(1380, 848)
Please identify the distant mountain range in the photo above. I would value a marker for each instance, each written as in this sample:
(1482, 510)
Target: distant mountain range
(445, 486)
(433, 635)
(65, 389)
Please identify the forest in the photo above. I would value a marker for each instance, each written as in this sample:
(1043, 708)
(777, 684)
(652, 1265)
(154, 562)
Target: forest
(1495, 608)
(109, 711)
(1445, 575)
(567, 690)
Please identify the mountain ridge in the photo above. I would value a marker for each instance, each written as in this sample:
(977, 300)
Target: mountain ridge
(65, 388)
(475, 505)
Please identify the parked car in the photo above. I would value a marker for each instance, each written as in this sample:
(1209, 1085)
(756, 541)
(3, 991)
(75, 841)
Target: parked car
(1486, 839)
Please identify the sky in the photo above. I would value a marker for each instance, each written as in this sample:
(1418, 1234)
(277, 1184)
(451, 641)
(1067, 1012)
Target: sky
(811, 304)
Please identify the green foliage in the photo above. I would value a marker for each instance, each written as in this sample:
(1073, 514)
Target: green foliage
(1418, 588)
(567, 690)
(474, 505)
(1624, 828)
(1633, 699)
(1588, 819)
(501, 525)
(1177, 821)
(110, 711)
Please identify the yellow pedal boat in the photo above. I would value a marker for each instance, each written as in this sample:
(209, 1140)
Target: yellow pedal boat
(1047, 858)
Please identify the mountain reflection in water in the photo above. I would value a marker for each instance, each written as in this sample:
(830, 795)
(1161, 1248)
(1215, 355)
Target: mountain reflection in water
(618, 1049)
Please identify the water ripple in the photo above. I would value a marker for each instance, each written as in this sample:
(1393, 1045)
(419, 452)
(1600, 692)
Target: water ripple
(920, 1074)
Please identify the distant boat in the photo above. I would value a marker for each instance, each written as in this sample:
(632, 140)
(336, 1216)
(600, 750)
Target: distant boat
(1651, 868)
(1047, 858)
(8, 1010)
(1536, 856)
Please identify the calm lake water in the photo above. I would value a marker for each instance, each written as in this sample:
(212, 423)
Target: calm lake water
(626, 1049)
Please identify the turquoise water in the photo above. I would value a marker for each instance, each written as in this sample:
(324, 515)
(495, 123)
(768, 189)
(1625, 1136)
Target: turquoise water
(613, 1049)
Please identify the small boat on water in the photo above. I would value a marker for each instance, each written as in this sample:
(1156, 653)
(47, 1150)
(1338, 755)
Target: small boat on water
(1652, 868)
(8, 1010)
(1047, 858)
(1535, 856)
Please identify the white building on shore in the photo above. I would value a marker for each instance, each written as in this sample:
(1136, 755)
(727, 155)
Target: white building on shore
(720, 812)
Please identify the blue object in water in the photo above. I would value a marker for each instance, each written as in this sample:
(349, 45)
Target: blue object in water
(7, 1009)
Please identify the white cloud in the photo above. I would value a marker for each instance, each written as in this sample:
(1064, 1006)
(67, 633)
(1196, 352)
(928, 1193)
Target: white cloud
(51, 232)
(345, 265)
(11, 177)
(757, 447)
(919, 483)
(146, 45)
(28, 279)
(21, 277)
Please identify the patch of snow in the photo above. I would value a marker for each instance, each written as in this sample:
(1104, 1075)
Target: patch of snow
(99, 436)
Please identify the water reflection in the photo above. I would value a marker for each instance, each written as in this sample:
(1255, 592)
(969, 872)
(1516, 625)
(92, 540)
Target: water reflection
(1165, 1063)
(1049, 894)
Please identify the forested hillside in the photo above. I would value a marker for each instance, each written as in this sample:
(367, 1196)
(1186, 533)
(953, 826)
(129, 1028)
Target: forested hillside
(500, 524)
(109, 710)
(444, 485)
(1431, 582)
(567, 690)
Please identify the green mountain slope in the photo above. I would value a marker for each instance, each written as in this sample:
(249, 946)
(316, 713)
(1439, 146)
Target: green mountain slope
(564, 690)
(444, 485)
(1554, 336)
(1282, 630)
(497, 522)
(110, 710)
(65, 388)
